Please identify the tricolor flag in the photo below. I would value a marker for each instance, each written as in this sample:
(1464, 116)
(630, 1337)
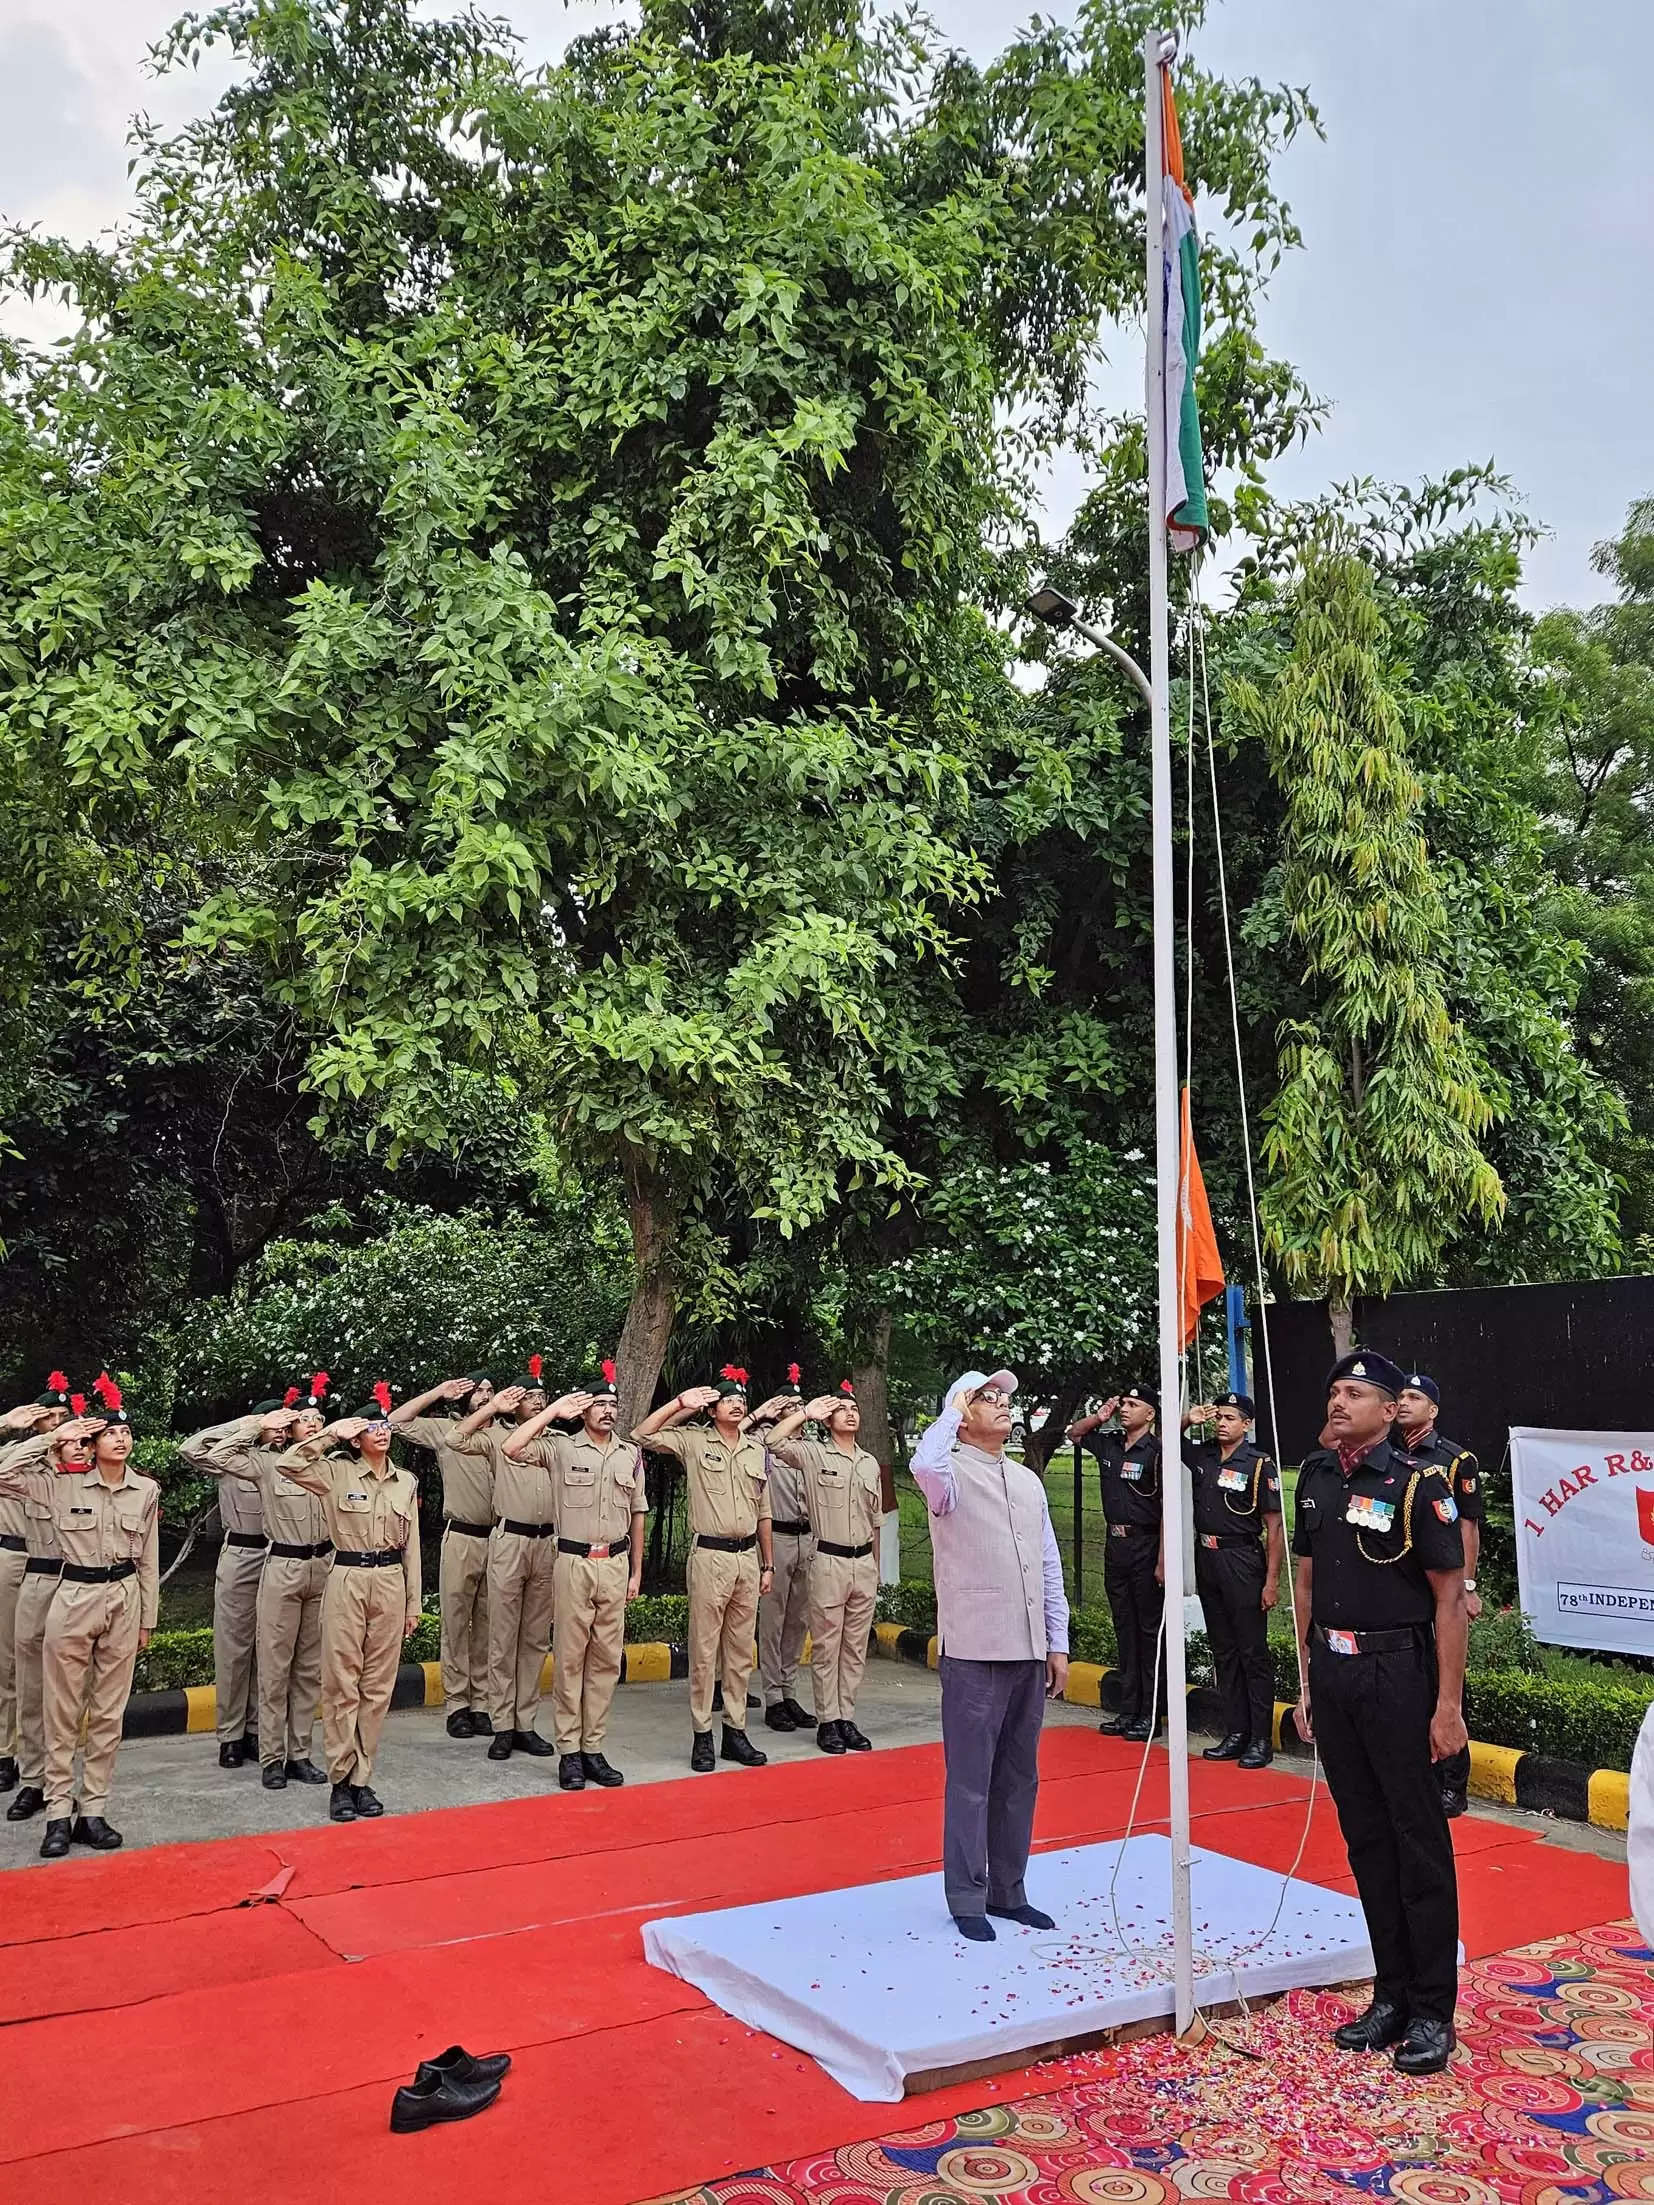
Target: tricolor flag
(1185, 467)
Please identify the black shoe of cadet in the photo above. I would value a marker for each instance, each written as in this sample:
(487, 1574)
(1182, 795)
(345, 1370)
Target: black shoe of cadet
(857, 1740)
(1383, 2024)
(459, 1724)
(1228, 1748)
(737, 1746)
(828, 1739)
(801, 1721)
(341, 1807)
(8, 1772)
(530, 1741)
(973, 1926)
(571, 1777)
(55, 1843)
(464, 2066)
(601, 1771)
(424, 2104)
(27, 1804)
(273, 1776)
(305, 1772)
(1031, 1917)
(92, 1830)
(229, 1754)
(777, 1718)
(1425, 2049)
(368, 1803)
(702, 1759)
(482, 1726)
(499, 1746)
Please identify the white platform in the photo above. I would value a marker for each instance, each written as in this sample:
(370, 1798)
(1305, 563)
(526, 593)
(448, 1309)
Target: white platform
(876, 1984)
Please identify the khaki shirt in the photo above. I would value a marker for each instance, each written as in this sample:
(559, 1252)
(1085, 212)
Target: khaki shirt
(596, 1490)
(522, 1487)
(467, 1475)
(292, 1513)
(98, 1523)
(26, 1476)
(789, 1493)
(845, 1492)
(729, 1492)
(12, 1523)
(240, 1505)
(364, 1511)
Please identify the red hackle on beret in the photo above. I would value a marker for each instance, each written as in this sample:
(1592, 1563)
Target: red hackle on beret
(609, 1368)
(290, 1397)
(794, 1374)
(56, 1382)
(846, 1385)
(77, 1404)
(106, 1390)
(534, 1366)
(382, 1394)
(319, 1385)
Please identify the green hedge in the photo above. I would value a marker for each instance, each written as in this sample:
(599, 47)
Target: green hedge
(1568, 1719)
(173, 1659)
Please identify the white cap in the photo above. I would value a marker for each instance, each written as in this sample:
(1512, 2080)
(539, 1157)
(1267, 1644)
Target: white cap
(973, 1381)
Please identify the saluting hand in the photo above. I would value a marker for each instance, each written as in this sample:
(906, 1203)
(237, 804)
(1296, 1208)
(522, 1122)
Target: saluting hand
(507, 1398)
(772, 1407)
(22, 1419)
(79, 1427)
(348, 1427)
(821, 1408)
(572, 1404)
(455, 1389)
(1201, 1412)
(697, 1397)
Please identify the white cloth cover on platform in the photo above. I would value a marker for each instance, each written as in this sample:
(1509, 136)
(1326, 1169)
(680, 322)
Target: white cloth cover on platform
(876, 1984)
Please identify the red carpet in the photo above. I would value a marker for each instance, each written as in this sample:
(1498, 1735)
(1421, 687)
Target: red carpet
(221, 2050)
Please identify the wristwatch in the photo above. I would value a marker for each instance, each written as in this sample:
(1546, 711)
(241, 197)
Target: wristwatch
(1470, 1584)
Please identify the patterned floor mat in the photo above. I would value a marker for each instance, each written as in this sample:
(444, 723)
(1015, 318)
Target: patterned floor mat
(1549, 2101)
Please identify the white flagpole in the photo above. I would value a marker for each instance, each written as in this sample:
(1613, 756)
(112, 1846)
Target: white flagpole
(1167, 1115)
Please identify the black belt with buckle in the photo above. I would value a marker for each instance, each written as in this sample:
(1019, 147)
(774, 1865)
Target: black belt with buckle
(595, 1550)
(12, 1544)
(1211, 1539)
(727, 1546)
(390, 1559)
(44, 1565)
(848, 1554)
(471, 1531)
(1370, 1642)
(1133, 1531)
(246, 1539)
(291, 1553)
(792, 1531)
(527, 1531)
(110, 1573)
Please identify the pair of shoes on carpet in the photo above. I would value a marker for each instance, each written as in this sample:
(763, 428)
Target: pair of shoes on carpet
(1418, 2046)
(788, 1715)
(576, 1770)
(469, 1722)
(277, 1775)
(1245, 1752)
(507, 1742)
(88, 1830)
(354, 1803)
(451, 2087)
(842, 1737)
(982, 1932)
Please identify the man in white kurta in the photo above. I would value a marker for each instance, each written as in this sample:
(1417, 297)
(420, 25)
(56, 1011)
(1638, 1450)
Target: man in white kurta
(1002, 1622)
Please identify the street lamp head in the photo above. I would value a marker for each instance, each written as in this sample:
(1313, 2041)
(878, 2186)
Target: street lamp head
(1052, 607)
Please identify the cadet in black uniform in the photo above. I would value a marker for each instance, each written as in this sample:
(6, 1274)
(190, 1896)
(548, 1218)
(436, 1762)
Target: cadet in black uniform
(1128, 1464)
(1420, 1400)
(1238, 1547)
(1381, 1585)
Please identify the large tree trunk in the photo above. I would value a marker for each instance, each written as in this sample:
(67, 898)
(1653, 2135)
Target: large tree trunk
(655, 1210)
(1341, 1317)
(870, 1376)
(1038, 1447)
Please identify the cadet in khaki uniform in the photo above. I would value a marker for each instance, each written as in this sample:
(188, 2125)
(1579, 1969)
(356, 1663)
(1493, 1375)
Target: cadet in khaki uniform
(522, 1565)
(599, 1505)
(36, 1462)
(99, 1622)
(234, 1608)
(784, 1611)
(371, 1604)
(467, 1522)
(729, 1515)
(294, 1584)
(37, 1416)
(846, 1498)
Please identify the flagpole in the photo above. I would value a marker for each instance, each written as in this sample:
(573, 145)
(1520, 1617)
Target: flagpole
(1157, 47)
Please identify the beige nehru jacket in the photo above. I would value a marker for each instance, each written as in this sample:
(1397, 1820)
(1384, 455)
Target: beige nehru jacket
(467, 1472)
(844, 1495)
(365, 1511)
(729, 1491)
(98, 1523)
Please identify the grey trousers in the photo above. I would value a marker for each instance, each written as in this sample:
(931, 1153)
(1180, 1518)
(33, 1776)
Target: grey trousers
(992, 1712)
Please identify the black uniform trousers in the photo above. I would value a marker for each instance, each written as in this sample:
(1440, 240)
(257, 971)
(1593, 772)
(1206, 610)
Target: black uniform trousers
(1372, 1722)
(1230, 1583)
(1136, 1601)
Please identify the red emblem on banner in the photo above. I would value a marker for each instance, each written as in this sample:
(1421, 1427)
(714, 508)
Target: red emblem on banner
(1645, 1512)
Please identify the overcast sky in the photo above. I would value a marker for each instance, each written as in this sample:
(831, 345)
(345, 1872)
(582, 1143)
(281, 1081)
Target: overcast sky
(1478, 272)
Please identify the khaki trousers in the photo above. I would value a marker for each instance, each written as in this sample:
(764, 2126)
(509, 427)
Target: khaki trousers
(12, 1567)
(91, 1645)
(363, 1612)
(290, 1597)
(34, 1604)
(723, 1607)
(234, 1636)
(842, 1594)
(784, 1617)
(586, 1646)
(521, 1590)
(463, 1580)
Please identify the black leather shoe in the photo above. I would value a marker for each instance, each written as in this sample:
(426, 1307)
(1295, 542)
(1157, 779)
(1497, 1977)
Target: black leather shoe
(482, 1726)
(1031, 1917)
(1138, 1734)
(976, 1927)
(1454, 1802)
(571, 1777)
(1227, 1749)
(92, 1830)
(827, 1738)
(1113, 1726)
(737, 1746)
(701, 1757)
(600, 1771)
(55, 1843)
(499, 1746)
(305, 1772)
(1383, 2024)
(8, 1772)
(857, 1740)
(1256, 1756)
(801, 1721)
(777, 1718)
(460, 1725)
(530, 1741)
(1426, 2048)
(464, 2066)
(27, 1804)
(369, 1806)
(424, 2104)
(341, 1807)
(249, 1748)
(229, 1754)
(273, 1776)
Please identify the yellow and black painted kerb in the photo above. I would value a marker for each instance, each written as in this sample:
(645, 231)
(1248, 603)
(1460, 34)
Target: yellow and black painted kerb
(1528, 1780)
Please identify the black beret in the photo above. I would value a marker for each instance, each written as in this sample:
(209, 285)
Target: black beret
(1418, 1381)
(1141, 1393)
(1368, 1368)
(1242, 1401)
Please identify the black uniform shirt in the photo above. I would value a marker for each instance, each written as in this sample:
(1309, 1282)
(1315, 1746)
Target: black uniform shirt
(1234, 1496)
(1463, 1478)
(1130, 1477)
(1370, 1573)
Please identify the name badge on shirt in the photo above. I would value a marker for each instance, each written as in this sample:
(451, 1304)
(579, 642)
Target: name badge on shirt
(1368, 1513)
(1131, 1472)
(1234, 1481)
(361, 1497)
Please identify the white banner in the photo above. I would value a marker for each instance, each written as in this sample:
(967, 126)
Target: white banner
(1584, 1507)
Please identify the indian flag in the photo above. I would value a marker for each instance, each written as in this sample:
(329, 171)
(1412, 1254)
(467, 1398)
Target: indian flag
(1186, 522)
